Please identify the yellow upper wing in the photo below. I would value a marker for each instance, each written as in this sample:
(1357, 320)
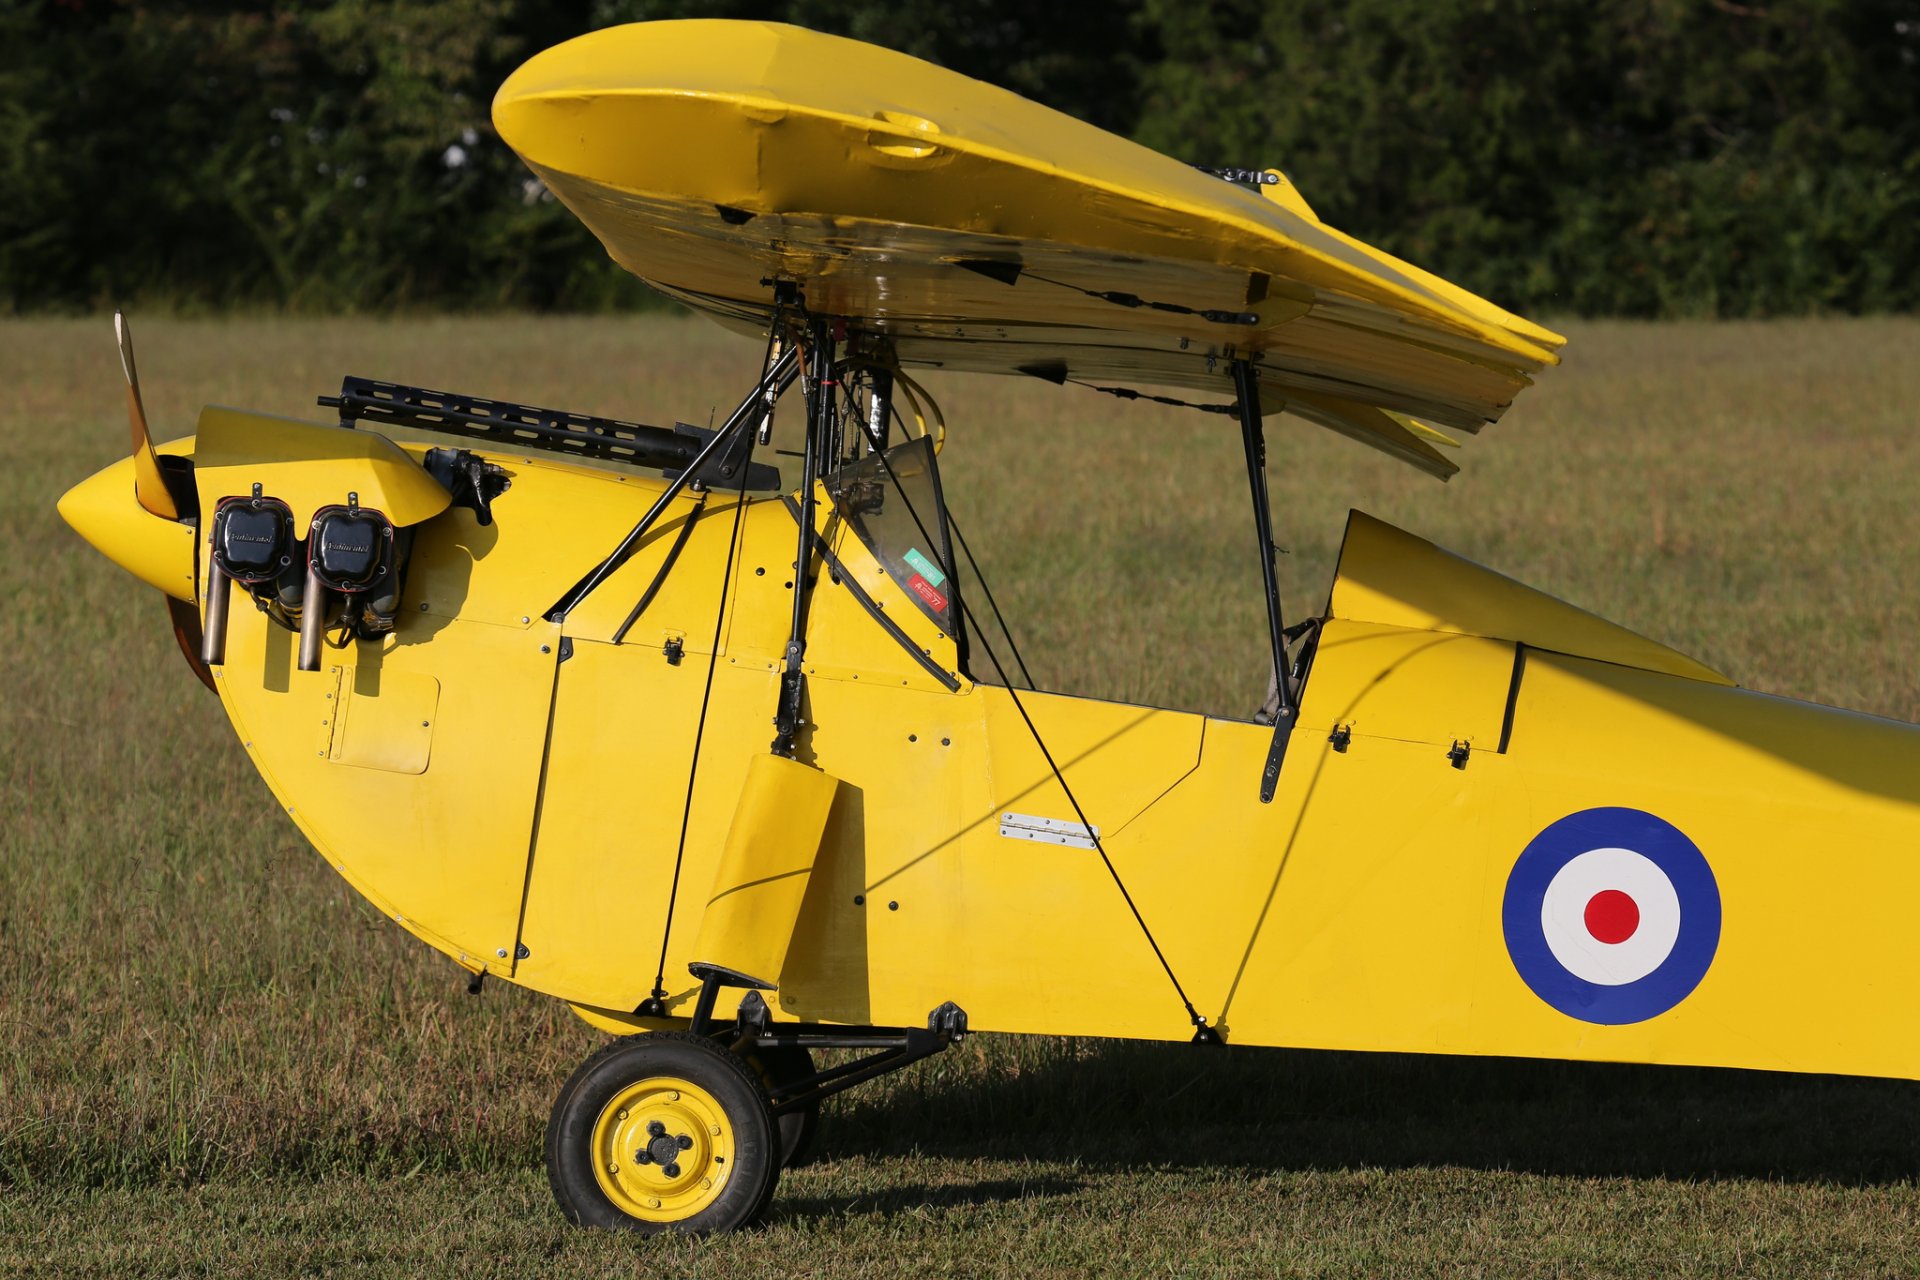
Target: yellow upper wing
(960, 226)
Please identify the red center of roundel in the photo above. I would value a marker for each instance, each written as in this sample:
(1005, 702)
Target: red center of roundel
(1612, 916)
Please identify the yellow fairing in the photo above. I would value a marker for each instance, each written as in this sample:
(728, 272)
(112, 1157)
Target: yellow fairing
(764, 869)
(1389, 576)
(412, 766)
(309, 466)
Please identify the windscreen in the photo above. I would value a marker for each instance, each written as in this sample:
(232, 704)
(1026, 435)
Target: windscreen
(893, 503)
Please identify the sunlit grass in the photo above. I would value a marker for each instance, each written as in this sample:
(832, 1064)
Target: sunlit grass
(211, 1048)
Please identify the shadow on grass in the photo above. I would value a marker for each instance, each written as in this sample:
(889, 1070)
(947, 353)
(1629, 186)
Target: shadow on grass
(916, 1196)
(1113, 1104)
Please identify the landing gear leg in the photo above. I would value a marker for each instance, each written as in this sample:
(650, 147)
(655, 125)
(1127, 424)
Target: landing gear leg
(688, 1130)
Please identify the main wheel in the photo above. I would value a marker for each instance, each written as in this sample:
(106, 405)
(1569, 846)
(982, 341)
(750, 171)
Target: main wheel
(778, 1064)
(662, 1132)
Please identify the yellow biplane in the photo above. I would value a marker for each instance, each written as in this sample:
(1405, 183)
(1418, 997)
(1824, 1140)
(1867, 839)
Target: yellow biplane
(711, 740)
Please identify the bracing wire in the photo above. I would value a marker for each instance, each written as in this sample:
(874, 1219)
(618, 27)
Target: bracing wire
(981, 578)
(659, 993)
(1194, 1016)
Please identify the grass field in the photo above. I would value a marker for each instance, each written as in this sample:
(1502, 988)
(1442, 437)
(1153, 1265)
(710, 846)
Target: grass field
(214, 1059)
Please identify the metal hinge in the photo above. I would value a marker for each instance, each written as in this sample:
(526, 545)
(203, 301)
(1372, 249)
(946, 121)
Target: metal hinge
(1061, 831)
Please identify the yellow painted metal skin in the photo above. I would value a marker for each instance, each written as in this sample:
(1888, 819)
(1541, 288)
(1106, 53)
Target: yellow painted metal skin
(772, 152)
(511, 788)
(536, 814)
(412, 765)
(1361, 909)
(764, 869)
(302, 465)
(648, 1192)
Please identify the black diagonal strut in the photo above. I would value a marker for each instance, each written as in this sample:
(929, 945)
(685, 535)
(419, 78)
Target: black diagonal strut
(751, 409)
(1246, 386)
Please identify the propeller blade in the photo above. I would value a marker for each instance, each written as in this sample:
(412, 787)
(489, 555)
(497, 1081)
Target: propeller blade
(149, 486)
(186, 632)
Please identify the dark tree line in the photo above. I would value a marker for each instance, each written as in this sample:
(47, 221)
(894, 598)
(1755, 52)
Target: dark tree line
(1628, 157)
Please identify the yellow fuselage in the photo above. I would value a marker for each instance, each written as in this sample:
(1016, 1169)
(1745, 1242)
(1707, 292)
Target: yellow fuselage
(512, 791)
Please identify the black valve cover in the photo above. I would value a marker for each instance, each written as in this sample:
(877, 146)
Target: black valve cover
(253, 539)
(350, 550)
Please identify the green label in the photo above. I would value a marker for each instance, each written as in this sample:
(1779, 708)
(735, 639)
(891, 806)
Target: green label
(927, 568)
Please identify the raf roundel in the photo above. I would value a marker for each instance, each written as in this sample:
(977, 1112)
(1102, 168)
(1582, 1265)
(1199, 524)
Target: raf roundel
(1612, 916)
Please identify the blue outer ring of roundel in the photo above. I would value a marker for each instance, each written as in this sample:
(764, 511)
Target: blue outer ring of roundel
(1668, 848)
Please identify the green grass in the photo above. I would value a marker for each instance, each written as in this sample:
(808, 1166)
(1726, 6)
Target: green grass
(213, 1058)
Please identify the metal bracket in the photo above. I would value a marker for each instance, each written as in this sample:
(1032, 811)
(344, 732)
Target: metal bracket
(949, 1020)
(1459, 753)
(1246, 177)
(1341, 737)
(753, 1017)
(505, 424)
(786, 294)
(1276, 753)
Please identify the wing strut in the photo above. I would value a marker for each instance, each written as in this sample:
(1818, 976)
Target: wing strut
(1246, 386)
(821, 423)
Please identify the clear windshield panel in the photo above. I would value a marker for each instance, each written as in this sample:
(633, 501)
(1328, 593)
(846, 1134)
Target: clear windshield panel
(892, 502)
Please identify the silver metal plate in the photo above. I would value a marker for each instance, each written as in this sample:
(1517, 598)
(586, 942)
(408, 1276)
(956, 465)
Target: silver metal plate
(1062, 831)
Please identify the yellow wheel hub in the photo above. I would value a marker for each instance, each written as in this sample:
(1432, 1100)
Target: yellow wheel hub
(663, 1149)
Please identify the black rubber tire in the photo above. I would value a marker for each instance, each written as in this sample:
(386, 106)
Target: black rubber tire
(697, 1060)
(778, 1064)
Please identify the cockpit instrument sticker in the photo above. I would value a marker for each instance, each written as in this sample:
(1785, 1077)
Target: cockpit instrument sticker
(1612, 915)
(925, 567)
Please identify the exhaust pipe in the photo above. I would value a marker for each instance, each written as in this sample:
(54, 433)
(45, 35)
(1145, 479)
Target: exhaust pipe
(213, 638)
(313, 621)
